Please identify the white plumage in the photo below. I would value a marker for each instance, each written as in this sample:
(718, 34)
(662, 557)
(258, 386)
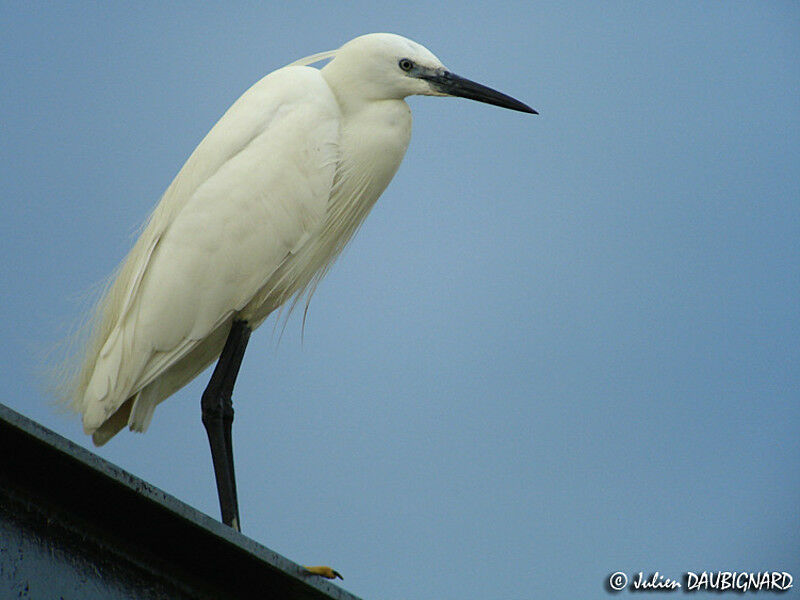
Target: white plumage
(255, 217)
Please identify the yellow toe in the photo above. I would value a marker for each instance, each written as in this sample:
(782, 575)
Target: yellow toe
(326, 572)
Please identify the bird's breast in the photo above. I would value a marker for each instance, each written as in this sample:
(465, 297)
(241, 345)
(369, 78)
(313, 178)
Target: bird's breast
(373, 143)
(371, 147)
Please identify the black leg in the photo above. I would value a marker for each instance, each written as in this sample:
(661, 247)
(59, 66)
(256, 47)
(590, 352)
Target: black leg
(217, 407)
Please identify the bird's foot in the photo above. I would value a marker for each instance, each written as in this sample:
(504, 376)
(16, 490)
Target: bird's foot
(326, 572)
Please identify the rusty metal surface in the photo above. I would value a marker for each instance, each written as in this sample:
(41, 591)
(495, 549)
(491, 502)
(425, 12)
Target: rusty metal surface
(74, 526)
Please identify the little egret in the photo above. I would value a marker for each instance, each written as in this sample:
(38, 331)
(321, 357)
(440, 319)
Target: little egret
(254, 219)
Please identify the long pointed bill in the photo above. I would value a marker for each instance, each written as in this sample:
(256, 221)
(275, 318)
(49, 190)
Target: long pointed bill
(453, 85)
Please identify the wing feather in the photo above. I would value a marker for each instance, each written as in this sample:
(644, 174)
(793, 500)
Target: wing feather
(254, 191)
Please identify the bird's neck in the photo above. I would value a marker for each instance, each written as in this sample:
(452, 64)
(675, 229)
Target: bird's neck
(375, 138)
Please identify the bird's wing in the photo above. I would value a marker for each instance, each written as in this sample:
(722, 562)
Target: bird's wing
(254, 189)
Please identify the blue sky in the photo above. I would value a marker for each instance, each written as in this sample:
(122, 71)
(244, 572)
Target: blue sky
(560, 346)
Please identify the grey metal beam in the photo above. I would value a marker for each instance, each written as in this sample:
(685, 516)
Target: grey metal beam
(75, 526)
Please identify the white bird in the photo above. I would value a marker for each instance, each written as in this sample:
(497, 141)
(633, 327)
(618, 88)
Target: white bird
(253, 220)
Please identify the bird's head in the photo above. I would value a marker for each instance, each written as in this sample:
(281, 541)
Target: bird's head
(384, 66)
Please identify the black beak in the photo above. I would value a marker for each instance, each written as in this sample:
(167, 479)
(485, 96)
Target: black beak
(453, 85)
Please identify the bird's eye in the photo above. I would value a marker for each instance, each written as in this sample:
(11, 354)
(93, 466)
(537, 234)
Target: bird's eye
(405, 64)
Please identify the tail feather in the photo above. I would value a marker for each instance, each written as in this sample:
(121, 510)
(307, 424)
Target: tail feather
(113, 425)
(115, 372)
(144, 405)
